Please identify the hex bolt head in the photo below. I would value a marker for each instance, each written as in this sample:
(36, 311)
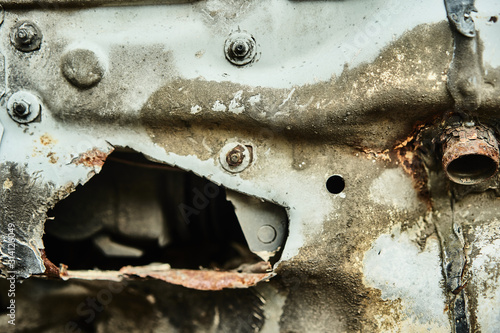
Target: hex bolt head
(235, 156)
(240, 48)
(266, 234)
(23, 107)
(26, 36)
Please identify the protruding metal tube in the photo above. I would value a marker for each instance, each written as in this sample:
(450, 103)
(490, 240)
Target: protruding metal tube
(470, 154)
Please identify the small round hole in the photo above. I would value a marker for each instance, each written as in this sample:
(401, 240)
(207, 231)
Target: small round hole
(335, 184)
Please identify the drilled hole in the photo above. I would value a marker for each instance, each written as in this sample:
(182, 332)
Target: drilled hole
(471, 169)
(335, 184)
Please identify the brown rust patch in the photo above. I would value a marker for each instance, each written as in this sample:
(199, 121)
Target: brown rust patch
(377, 155)
(52, 157)
(51, 270)
(470, 154)
(406, 153)
(47, 140)
(92, 158)
(198, 279)
(195, 279)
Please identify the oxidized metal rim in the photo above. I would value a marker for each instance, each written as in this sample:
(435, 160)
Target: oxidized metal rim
(470, 154)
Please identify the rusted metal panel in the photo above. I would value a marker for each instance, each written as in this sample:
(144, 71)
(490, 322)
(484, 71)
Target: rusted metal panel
(194, 279)
(201, 279)
(92, 158)
(367, 99)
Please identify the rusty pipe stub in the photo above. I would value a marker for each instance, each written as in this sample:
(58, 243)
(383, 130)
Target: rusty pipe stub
(470, 154)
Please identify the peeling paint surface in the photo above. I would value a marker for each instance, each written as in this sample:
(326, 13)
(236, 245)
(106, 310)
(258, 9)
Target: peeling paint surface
(385, 191)
(486, 275)
(397, 266)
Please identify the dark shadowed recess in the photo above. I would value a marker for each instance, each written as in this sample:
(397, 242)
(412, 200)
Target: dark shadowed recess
(145, 212)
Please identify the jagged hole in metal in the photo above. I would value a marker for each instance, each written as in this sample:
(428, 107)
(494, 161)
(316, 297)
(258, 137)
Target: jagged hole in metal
(198, 226)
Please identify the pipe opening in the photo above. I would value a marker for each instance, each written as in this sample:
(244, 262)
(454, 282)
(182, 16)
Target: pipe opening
(471, 169)
(470, 154)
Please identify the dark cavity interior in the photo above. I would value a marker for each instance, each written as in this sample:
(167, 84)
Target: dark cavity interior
(142, 212)
(471, 169)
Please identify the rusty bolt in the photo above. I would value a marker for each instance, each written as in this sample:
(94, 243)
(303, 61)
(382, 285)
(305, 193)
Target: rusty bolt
(235, 156)
(26, 36)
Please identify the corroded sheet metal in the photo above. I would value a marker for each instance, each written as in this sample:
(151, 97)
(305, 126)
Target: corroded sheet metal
(350, 97)
(194, 279)
(92, 158)
(200, 279)
(470, 154)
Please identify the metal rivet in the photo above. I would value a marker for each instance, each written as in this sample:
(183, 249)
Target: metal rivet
(266, 234)
(26, 36)
(82, 67)
(240, 48)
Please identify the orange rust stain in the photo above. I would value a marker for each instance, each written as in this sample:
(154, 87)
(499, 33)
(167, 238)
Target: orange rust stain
(200, 279)
(64, 270)
(377, 155)
(406, 154)
(411, 138)
(46, 140)
(52, 157)
(51, 270)
(92, 158)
